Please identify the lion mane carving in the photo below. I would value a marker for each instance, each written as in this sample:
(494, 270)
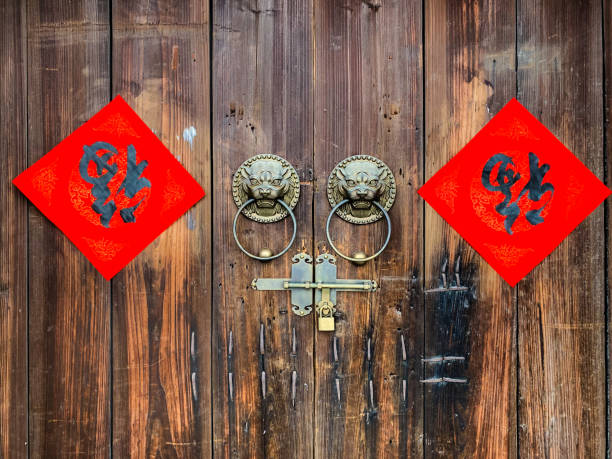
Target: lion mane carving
(361, 179)
(267, 179)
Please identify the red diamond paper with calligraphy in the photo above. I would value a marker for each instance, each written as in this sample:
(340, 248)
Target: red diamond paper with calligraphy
(514, 192)
(111, 186)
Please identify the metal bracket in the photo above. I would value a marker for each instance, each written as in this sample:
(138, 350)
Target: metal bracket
(325, 286)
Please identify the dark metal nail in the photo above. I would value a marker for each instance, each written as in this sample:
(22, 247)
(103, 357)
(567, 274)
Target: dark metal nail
(293, 384)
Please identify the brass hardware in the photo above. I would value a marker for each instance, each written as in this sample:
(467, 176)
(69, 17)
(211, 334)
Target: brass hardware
(267, 180)
(360, 181)
(266, 189)
(360, 258)
(325, 286)
(361, 189)
(301, 271)
(262, 254)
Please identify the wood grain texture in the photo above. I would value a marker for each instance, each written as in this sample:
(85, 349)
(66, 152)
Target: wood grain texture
(607, 72)
(69, 315)
(262, 103)
(13, 235)
(561, 336)
(161, 300)
(470, 75)
(140, 367)
(368, 100)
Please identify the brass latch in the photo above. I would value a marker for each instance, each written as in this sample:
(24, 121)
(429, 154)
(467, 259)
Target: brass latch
(325, 286)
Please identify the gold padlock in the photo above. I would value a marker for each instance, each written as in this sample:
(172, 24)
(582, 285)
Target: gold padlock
(326, 324)
(326, 319)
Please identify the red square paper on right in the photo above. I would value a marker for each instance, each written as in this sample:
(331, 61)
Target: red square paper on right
(514, 192)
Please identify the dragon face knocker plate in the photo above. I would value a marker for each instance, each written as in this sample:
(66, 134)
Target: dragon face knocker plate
(361, 179)
(266, 179)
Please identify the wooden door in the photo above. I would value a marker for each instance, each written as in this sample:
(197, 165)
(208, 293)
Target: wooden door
(178, 357)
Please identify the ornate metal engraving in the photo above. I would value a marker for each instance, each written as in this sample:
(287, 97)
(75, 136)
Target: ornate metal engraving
(266, 179)
(361, 179)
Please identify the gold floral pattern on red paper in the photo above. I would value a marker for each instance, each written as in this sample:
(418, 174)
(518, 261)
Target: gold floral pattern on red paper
(44, 182)
(173, 193)
(104, 249)
(515, 130)
(116, 125)
(449, 191)
(508, 254)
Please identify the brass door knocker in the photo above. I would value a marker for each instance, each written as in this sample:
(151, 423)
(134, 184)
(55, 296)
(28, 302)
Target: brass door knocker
(361, 189)
(266, 189)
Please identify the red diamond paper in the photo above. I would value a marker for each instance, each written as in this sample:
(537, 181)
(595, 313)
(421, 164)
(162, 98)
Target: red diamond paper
(111, 186)
(514, 192)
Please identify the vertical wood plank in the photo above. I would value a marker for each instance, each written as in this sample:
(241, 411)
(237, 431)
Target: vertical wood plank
(368, 100)
(69, 315)
(561, 303)
(470, 75)
(262, 103)
(161, 300)
(13, 235)
(607, 71)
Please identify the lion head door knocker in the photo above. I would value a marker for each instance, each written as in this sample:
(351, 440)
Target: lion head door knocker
(361, 189)
(266, 189)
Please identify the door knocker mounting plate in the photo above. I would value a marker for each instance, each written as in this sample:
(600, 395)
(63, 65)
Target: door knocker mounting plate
(361, 179)
(266, 179)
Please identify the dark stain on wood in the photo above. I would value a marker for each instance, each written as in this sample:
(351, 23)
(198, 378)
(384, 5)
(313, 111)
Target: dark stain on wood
(470, 43)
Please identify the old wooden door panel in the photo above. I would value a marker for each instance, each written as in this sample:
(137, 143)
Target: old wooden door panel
(262, 103)
(69, 315)
(561, 339)
(607, 72)
(13, 237)
(161, 300)
(470, 334)
(368, 101)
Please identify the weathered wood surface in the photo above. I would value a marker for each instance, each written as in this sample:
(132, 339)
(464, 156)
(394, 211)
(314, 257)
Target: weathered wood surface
(561, 304)
(607, 72)
(161, 301)
(368, 100)
(68, 81)
(469, 77)
(140, 366)
(262, 103)
(13, 236)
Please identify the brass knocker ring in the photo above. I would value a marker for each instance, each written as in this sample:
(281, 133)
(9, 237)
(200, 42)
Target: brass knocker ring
(360, 189)
(354, 259)
(272, 257)
(266, 189)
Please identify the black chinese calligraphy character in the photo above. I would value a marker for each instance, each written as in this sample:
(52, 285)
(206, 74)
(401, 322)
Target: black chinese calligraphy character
(507, 177)
(131, 184)
(100, 189)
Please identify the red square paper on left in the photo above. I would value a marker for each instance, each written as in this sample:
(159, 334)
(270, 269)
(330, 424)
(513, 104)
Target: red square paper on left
(111, 187)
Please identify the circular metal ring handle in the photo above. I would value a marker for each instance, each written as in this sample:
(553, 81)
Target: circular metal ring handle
(284, 204)
(358, 260)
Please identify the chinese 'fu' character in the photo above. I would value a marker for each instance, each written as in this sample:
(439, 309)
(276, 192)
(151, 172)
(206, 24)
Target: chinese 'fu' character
(131, 184)
(507, 177)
